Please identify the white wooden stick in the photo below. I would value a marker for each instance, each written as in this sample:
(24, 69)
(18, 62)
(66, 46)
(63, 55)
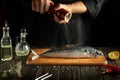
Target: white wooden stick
(41, 76)
(46, 77)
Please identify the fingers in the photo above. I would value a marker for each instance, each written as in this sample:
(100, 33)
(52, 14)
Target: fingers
(41, 3)
(37, 5)
(47, 5)
(56, 19)
(43, 6)
(57, 7)
(33, 5)
(40, 6)
(60, 6)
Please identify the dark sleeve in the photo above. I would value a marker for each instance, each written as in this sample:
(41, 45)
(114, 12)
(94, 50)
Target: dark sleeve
(93, 6)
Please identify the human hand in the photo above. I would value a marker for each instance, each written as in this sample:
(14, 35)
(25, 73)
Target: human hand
(62, 13)
(41, 6)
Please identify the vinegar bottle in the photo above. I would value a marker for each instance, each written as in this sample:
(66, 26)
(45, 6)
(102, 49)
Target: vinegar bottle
(6, 44)
(22, 48)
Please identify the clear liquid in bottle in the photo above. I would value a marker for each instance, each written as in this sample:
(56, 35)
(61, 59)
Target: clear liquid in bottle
(6, 44)
(7, 50)
(22, 48)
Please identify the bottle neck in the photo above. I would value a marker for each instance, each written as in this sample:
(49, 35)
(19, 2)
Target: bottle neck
(5, 32)
(23, 39)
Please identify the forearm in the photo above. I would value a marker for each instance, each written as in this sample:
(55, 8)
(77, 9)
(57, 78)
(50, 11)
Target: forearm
(93, 7)
(77, 7)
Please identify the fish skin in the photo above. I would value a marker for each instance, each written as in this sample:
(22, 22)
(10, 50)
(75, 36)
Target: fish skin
(81, 52)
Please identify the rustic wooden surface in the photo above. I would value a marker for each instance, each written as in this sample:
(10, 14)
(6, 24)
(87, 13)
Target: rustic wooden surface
(65, 72)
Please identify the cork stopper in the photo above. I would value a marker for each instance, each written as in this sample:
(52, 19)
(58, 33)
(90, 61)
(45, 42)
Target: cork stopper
(23, 32)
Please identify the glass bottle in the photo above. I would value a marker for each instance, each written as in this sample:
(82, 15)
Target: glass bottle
(6, 44)
(22, 48)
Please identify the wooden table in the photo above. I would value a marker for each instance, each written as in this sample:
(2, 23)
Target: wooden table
(60, 72)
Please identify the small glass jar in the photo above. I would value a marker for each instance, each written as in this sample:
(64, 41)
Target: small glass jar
(22, 48)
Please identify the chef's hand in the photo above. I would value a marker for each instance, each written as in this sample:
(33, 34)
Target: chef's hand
(41, 6)
(58, 7)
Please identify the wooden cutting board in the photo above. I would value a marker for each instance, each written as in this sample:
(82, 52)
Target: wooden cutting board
(63, 61)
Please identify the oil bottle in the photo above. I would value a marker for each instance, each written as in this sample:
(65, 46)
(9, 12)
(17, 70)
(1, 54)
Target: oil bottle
(22, 48)
(6, 44)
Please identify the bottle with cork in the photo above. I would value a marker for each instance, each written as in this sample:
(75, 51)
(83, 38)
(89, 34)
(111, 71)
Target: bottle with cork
(22, 48)
(6, 44)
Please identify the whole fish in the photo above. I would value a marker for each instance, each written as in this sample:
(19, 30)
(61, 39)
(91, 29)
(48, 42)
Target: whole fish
(79, 52)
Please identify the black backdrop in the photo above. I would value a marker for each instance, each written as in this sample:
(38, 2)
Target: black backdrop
(105, 28)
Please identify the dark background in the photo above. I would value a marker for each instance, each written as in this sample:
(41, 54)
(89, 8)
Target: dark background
(105, 28)
(106, 31)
